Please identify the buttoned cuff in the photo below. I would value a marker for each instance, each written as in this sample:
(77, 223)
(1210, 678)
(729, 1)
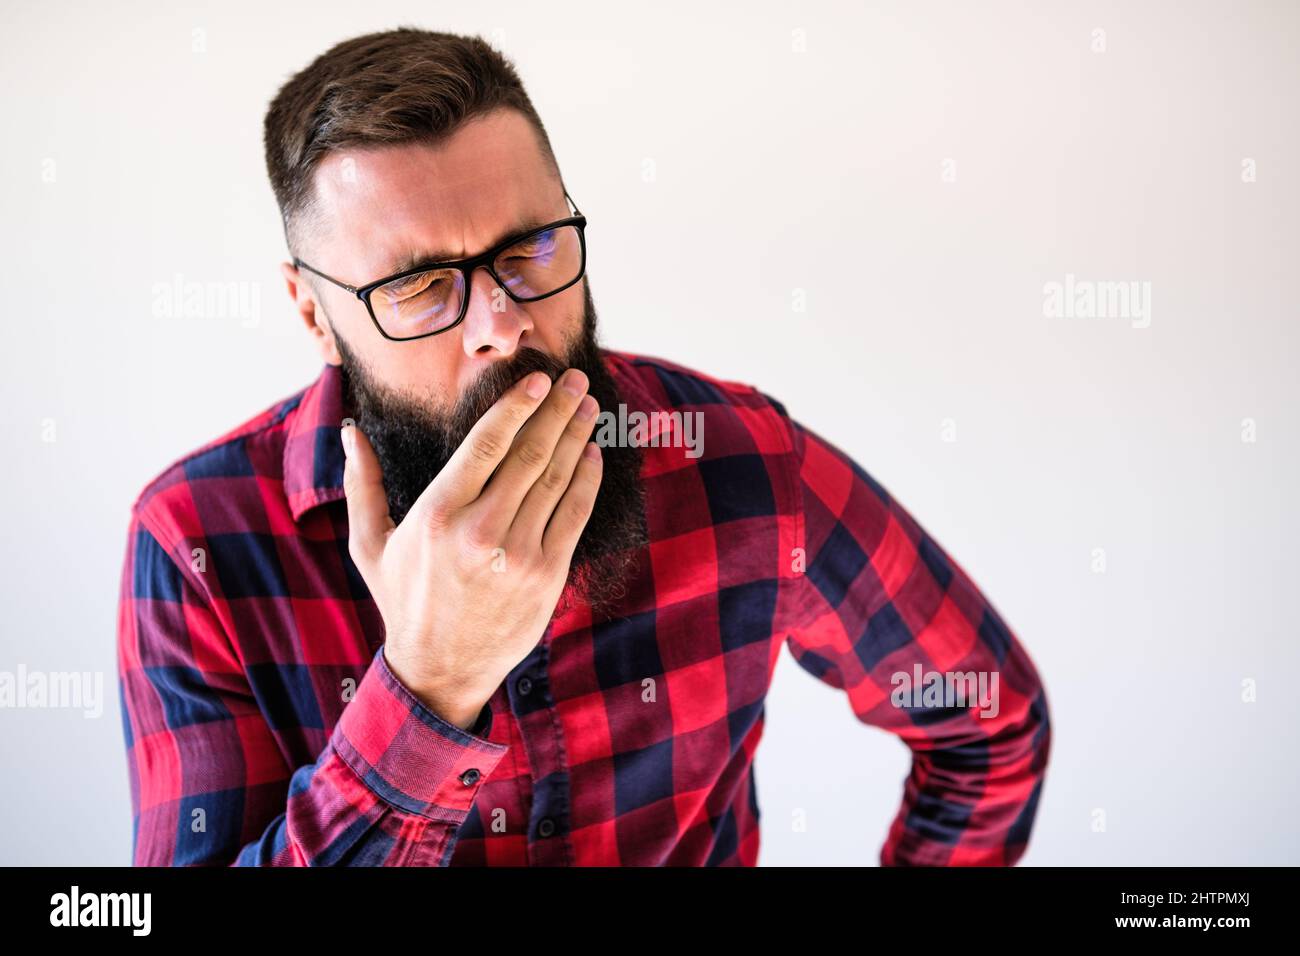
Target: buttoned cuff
(409, 756)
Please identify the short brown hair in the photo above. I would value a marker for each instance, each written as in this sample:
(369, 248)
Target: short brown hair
(400, 86)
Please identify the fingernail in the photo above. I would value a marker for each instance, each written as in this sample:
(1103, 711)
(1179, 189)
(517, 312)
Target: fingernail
(538, 385)
(573, 382)
(349, 440)
(592, 451)
(586, 408)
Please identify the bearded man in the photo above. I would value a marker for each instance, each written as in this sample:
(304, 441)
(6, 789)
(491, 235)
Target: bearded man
(414, 615)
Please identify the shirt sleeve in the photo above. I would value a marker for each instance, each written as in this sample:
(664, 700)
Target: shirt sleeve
(209, 782)
(884, 614)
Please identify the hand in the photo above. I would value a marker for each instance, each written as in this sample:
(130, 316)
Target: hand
(468, 582)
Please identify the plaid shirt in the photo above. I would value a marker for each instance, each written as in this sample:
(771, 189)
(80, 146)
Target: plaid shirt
(264, 728)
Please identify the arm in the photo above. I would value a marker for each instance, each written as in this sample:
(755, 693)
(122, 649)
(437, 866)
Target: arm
(880, 597)
(209, 784)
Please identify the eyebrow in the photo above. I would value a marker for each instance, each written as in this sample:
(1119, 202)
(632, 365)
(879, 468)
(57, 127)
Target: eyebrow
(427, 257)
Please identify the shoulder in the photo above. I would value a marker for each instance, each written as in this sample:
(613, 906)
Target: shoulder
(170, 505)
(663, 385)
(678, 385)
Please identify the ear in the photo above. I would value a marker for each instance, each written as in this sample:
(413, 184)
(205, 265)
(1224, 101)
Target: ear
(304, 300)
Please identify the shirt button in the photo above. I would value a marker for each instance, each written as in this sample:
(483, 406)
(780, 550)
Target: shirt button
(546, 827)
(470, 777)
(525, 687)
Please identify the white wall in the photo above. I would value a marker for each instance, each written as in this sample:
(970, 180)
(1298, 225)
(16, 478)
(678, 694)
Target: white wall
(131, 157)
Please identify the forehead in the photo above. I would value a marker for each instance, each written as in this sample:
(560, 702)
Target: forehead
(379, 205)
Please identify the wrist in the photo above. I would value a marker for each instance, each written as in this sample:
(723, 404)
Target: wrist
(457, 707)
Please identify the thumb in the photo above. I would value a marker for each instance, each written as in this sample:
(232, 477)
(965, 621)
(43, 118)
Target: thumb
(369, 523)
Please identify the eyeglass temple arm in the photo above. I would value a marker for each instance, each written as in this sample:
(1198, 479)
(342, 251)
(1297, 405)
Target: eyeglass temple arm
(576, 210)
(299, 264)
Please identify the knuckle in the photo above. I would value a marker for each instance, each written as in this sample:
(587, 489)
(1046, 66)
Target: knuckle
(532, 454)
(553, 479)
(518, 410)
(436, 518)
(577, 427)
(355, 552)
(541, 569)
(478, 537)
(580, 508)
(515, 413)
(555, 564)
(485, 447)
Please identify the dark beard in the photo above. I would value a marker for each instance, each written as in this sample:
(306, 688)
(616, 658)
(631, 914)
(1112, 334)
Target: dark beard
(413, 445)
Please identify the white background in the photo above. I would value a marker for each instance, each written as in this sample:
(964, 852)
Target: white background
(130, 158)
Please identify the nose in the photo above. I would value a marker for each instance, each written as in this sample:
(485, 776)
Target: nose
(494, 322)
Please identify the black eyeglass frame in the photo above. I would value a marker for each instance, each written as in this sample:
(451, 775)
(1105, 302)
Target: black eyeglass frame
(466, 267)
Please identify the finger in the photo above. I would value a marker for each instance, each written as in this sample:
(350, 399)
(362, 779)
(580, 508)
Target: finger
(369, 523)
(462, 479)
(539, 504)
(575, 506)
(531, 453)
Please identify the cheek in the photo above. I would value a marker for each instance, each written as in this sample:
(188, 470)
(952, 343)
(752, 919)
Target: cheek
(424, 371)
(557, 321)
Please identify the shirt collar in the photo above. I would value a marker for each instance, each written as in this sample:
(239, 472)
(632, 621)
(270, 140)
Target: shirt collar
(313, 450)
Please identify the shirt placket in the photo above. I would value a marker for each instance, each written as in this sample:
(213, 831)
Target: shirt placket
(533, 705)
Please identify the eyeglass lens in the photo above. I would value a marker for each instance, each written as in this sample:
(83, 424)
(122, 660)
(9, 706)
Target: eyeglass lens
(430, 301)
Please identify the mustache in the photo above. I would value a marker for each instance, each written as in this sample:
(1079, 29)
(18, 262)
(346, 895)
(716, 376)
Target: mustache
(494, 382)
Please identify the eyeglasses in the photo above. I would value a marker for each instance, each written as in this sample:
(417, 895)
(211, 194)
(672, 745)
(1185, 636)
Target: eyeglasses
(432, 298)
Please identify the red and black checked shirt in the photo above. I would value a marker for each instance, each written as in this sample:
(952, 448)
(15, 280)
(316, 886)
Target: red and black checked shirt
(263, 727)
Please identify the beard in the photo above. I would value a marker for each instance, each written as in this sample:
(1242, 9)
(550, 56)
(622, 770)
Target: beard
(414, 444)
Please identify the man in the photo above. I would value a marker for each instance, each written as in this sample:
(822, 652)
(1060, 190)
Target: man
(415, 615)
